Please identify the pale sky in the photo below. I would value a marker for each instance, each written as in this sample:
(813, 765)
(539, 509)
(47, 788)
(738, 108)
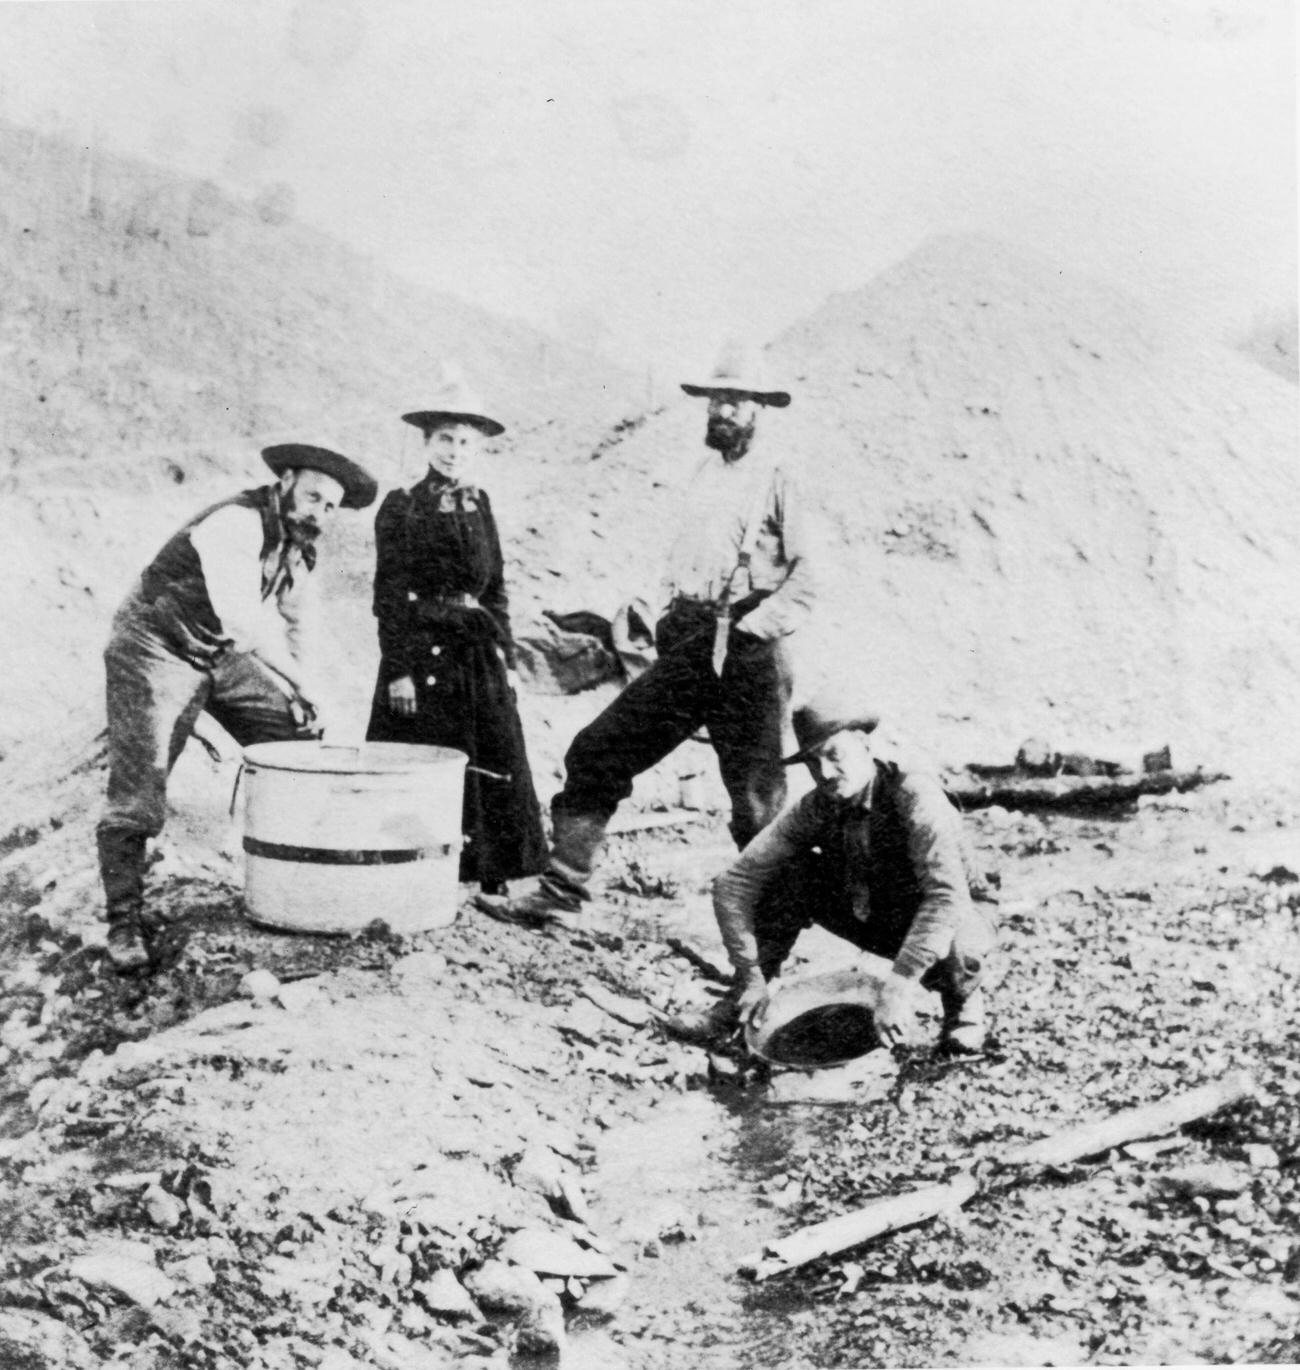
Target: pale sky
(651, 175)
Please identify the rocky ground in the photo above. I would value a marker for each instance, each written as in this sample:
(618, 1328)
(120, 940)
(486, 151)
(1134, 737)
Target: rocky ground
(288, 1151)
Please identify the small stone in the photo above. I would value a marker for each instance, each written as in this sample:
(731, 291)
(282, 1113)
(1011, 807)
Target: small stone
(552, 1253)
(165, 1210)
(193, 1270)
(502, 1288)
(1212, 1180)
(421, 966)
(30, 1339)
(603, 1298)
(1261, 1157)
(126, 1267)
(298, 996)
(258, 984)
(539, 1171)
(542, 1332)
(443, 1293)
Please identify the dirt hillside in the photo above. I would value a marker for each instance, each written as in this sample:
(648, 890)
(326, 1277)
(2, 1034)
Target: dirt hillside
(1043, 513)
(159, 333)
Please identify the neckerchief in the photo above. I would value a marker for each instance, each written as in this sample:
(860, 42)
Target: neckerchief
(451, 496)
(281, 555)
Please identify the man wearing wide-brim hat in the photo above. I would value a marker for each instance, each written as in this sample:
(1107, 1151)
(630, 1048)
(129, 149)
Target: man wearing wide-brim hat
(738, 584)
(221, 621)
(875, 854)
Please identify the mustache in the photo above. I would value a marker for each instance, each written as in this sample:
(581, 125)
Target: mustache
(302, 527)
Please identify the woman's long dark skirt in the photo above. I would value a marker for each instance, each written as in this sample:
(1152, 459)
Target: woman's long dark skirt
(464, 700)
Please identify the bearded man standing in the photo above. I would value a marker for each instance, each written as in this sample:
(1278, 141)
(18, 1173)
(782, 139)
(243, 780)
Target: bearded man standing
(738, 583)
(221, 621)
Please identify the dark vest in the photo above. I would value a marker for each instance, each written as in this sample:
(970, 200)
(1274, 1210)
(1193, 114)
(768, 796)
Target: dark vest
(177, 573)
(893, 889)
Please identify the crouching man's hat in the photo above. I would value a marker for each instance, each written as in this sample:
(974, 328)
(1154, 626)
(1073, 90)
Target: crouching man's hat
(824, 716)
(359, 486)
(739, 373)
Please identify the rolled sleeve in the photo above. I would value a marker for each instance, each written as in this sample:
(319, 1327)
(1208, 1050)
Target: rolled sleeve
(229, 548)
(738, 890)
(935, 849)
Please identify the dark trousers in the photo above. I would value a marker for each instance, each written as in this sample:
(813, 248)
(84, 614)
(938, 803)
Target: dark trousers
(743, 710)
(154, 699)
(811, 890)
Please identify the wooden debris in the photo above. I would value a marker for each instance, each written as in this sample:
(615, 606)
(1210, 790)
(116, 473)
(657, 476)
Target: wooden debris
(1067, 793)
(1062, 1148)
(700, 962)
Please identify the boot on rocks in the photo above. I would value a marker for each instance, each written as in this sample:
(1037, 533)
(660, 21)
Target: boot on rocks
(564, 886)
(128, 947)
(965, 1024)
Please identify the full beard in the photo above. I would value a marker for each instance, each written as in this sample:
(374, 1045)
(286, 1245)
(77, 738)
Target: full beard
(302, 531)
(730, 439)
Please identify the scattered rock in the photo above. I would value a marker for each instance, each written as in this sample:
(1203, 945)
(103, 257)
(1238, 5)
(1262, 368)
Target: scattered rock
(603, 1298)
(552, 1253)
(126, 1267)
(444, 1293)
(31, 1341)
(1261, 1157)
(630, 1011)
(298, 996)
(259, 985)
(539, 1170)
(422, 966)
(1210, 1180)
(193, 1270)
(542, 1332)
(165, 1210)
(511, 1289)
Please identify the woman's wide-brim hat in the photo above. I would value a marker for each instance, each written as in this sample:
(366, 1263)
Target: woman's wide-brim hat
(813, 1021)
(455, 402)
(739, 372)
(359, 486)
(822, 717)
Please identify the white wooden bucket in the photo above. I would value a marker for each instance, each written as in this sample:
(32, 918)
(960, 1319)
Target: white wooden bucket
(336, 837)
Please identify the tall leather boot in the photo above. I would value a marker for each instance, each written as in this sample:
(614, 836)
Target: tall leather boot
(576, 844)
(121, 868)
(965, 1007)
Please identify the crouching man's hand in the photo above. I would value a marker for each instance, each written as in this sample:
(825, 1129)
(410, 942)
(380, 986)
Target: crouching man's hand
(753, 1000)
(896, 1011)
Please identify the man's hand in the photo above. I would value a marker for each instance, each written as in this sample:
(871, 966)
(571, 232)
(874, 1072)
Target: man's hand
(306, 717)
(753, 1001)
(512, 681)
(401, 696)
(896, 1011)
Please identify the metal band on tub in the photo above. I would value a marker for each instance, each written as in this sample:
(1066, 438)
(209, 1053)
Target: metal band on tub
(343, 856)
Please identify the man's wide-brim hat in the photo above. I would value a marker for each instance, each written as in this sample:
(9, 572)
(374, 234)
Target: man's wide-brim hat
(359, 486)
(824, 716)
(739, 372)
(454, 402)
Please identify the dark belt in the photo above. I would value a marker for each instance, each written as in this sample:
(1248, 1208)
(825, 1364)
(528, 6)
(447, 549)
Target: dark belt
(709, 607)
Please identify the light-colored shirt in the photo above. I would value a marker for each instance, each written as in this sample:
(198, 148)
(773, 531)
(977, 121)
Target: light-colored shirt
(722, 501)
(229, 547)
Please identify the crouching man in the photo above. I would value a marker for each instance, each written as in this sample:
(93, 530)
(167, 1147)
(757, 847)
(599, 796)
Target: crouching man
(220, 622)
(873, 854)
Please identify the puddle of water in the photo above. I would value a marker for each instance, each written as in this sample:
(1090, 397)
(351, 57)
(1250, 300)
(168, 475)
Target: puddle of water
(680, 1190)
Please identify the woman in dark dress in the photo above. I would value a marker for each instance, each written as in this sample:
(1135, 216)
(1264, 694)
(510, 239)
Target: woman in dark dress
(446, 674)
